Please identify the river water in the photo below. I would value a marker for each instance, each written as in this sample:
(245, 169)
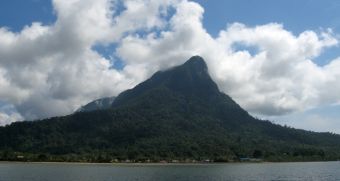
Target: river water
(169, 172)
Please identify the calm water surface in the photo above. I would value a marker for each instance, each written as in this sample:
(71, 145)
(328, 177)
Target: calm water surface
(231, 171)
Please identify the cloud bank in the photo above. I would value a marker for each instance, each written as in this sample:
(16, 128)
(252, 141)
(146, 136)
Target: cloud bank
(51, 70)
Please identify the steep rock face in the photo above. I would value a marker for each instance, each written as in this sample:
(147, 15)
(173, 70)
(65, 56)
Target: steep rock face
(178, 113)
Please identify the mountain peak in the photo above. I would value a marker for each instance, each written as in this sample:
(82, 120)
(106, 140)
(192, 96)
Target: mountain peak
(189, 79)
(197, 66)
(196, 61)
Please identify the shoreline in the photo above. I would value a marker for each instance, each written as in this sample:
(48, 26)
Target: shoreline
(154, 163)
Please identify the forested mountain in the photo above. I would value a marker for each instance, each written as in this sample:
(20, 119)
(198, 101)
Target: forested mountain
(177, 114)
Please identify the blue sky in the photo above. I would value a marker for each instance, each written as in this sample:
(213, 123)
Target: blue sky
(17, 16)
(296, 16)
